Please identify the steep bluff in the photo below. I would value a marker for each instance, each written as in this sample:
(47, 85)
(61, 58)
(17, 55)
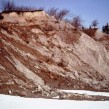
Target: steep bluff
(39, 55)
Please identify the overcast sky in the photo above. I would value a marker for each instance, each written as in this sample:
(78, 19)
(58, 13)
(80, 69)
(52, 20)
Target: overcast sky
(88, 10)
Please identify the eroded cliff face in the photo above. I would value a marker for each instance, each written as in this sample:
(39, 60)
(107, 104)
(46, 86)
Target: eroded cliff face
(41, 55)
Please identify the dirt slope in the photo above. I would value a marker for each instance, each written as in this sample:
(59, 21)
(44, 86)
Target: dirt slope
(41, 55)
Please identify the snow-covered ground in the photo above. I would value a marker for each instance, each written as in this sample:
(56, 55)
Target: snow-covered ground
(87, 92)
(13, 102)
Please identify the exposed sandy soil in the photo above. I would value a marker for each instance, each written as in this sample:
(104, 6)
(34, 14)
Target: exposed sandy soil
(38, 57)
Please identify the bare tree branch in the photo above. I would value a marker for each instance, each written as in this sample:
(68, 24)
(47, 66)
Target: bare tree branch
(76, 22)
(59, 15)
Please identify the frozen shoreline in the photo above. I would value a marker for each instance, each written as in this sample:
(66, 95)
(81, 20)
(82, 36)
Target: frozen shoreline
(15, 102)
(87, 92)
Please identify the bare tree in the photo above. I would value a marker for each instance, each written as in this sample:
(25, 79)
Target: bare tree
(95, 23)
(52, 11)
(59, 15)
(8, 5)
(105, 29)
(76, 22)
(62, 14)
(11, 6)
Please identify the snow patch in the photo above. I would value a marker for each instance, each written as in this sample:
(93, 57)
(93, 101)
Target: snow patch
(86, 92)
(56, 97)
(15, 102)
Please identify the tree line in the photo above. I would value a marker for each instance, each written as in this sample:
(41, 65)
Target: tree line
(105, 28)
(76, 21)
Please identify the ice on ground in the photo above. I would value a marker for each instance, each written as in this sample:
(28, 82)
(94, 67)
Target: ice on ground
(13, 102)
(87, 92)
